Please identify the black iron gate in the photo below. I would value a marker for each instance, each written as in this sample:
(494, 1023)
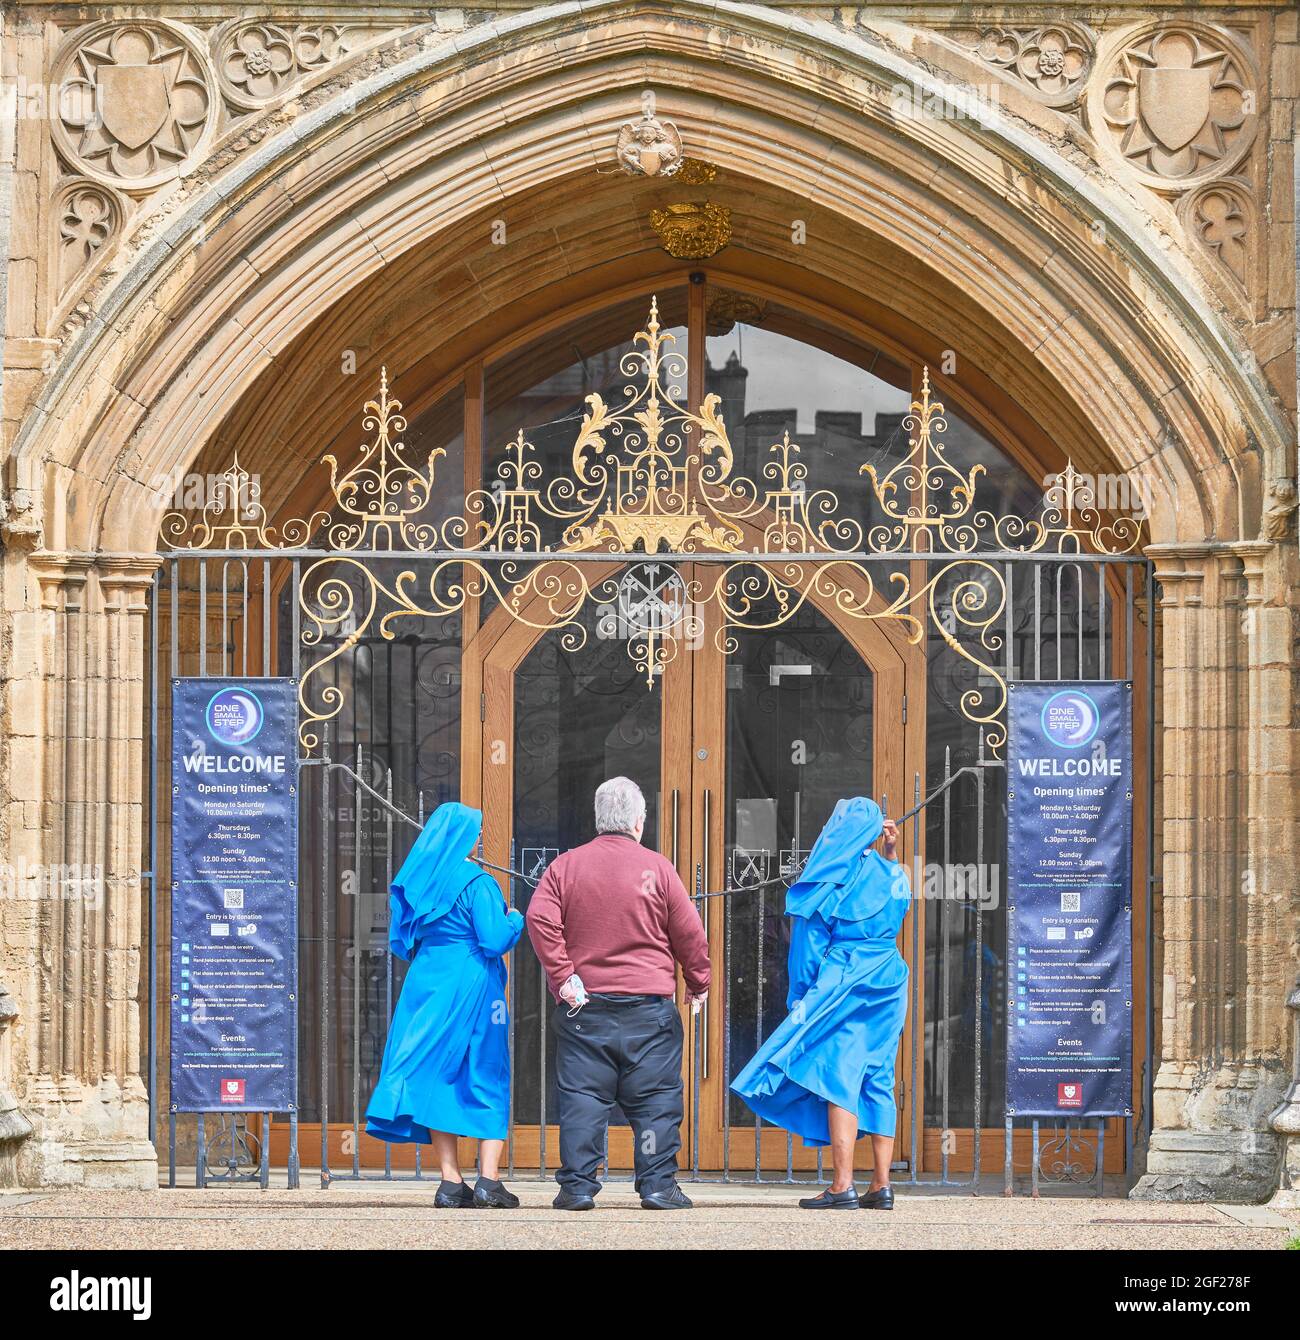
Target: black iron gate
(392, 754)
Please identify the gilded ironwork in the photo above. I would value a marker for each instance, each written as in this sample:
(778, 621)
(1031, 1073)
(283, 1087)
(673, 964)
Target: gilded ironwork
(924, 497)
(381, 494)
(652, 483)
(929, 503)
(235, 518)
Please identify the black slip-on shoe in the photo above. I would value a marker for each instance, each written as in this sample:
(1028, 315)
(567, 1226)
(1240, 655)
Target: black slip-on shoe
(832, 1200)
(882, 1199)
(573, 1200)
(453, 1196)
(674, 1198)
(490, 1195)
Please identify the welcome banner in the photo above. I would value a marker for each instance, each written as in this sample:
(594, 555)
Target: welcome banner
(1070, 905)
(234, 913)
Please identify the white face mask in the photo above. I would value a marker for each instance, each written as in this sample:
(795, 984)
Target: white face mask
(579, 996)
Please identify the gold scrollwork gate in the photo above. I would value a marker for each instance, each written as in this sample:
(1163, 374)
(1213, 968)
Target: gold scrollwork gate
(652, 477)
(651, 519)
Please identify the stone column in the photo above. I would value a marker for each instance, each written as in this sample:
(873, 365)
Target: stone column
(44, 600)
(1286, 1121)
(1227, 914)
(76, 697)
(13, 1125)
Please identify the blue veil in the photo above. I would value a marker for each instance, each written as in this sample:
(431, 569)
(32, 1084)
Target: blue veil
(434, 874)
(842, 879)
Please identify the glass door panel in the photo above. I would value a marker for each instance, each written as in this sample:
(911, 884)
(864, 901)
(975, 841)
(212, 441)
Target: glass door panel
(580, 717)
(747, 738)
(777, 371)
(557, 720)
(799, 738)
(787, 721)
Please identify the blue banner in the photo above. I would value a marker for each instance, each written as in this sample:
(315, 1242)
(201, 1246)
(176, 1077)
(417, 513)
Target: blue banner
(234, 922)
(1069, 889)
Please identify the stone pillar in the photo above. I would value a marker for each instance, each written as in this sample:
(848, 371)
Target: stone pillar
(13, 1125)
(1227, 908)
(1286, 1121)
(76, 704)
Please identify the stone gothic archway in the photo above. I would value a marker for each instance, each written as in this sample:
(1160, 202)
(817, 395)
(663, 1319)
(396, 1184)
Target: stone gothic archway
(976, 232)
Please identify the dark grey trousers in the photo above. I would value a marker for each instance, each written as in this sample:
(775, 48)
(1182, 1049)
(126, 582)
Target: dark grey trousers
(627, 1051)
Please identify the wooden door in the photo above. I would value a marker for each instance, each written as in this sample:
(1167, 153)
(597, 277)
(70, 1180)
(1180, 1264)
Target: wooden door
(558, 713)
(846, 696)
(785, 721)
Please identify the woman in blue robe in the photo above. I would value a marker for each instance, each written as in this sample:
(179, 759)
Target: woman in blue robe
(827, 1072)
(446, 1067)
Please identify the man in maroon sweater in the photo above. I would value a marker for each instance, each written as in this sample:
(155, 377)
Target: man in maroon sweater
(609, 921)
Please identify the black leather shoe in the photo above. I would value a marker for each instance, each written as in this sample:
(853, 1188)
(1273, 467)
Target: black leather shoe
(573, 1200)
(453, 1196)
(490, 1195)
(832, 1200)
(674, 1198)
(883, 1199)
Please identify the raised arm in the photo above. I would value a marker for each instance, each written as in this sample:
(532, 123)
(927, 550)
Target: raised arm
(495, 928)
(546, 931)
(690, 945)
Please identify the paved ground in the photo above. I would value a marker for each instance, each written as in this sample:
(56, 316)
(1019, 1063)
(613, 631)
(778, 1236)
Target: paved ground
(377, 1214)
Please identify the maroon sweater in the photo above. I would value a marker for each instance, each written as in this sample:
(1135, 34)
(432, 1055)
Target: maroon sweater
(615, 913)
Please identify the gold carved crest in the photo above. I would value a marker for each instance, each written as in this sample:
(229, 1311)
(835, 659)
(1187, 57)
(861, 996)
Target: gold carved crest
(692, 232)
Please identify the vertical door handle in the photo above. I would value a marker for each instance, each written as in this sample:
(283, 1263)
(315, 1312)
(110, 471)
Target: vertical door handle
(673, 838)
(704, 915)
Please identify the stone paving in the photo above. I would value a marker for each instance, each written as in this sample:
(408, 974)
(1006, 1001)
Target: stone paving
(393, 1215)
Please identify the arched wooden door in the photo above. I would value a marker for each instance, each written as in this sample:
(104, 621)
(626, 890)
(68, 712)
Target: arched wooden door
(742, 746)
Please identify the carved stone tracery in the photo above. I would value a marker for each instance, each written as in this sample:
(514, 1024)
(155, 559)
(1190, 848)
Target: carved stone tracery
(1052, 61)
(1222, 219)
(257, 59)
(87, 218)
(1177, 103)
(136, 102)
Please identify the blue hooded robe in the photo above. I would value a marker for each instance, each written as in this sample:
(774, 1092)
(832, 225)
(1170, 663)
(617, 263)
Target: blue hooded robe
(446, 1064)
(848, 987)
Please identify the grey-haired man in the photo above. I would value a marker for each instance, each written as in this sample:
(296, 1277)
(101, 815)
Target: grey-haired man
(609, 922)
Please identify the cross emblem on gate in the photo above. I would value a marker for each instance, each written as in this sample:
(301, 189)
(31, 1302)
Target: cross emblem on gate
(651, 597)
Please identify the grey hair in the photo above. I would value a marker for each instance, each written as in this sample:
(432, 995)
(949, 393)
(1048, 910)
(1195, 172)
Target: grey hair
(620, 806)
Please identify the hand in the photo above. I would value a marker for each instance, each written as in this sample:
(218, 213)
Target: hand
(696, 1002)
(572, 992)
(890, 834)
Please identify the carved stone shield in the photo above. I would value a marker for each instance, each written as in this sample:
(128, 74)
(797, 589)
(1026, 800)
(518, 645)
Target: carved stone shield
(133, 102)
(1175, 103)
(650, 160)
